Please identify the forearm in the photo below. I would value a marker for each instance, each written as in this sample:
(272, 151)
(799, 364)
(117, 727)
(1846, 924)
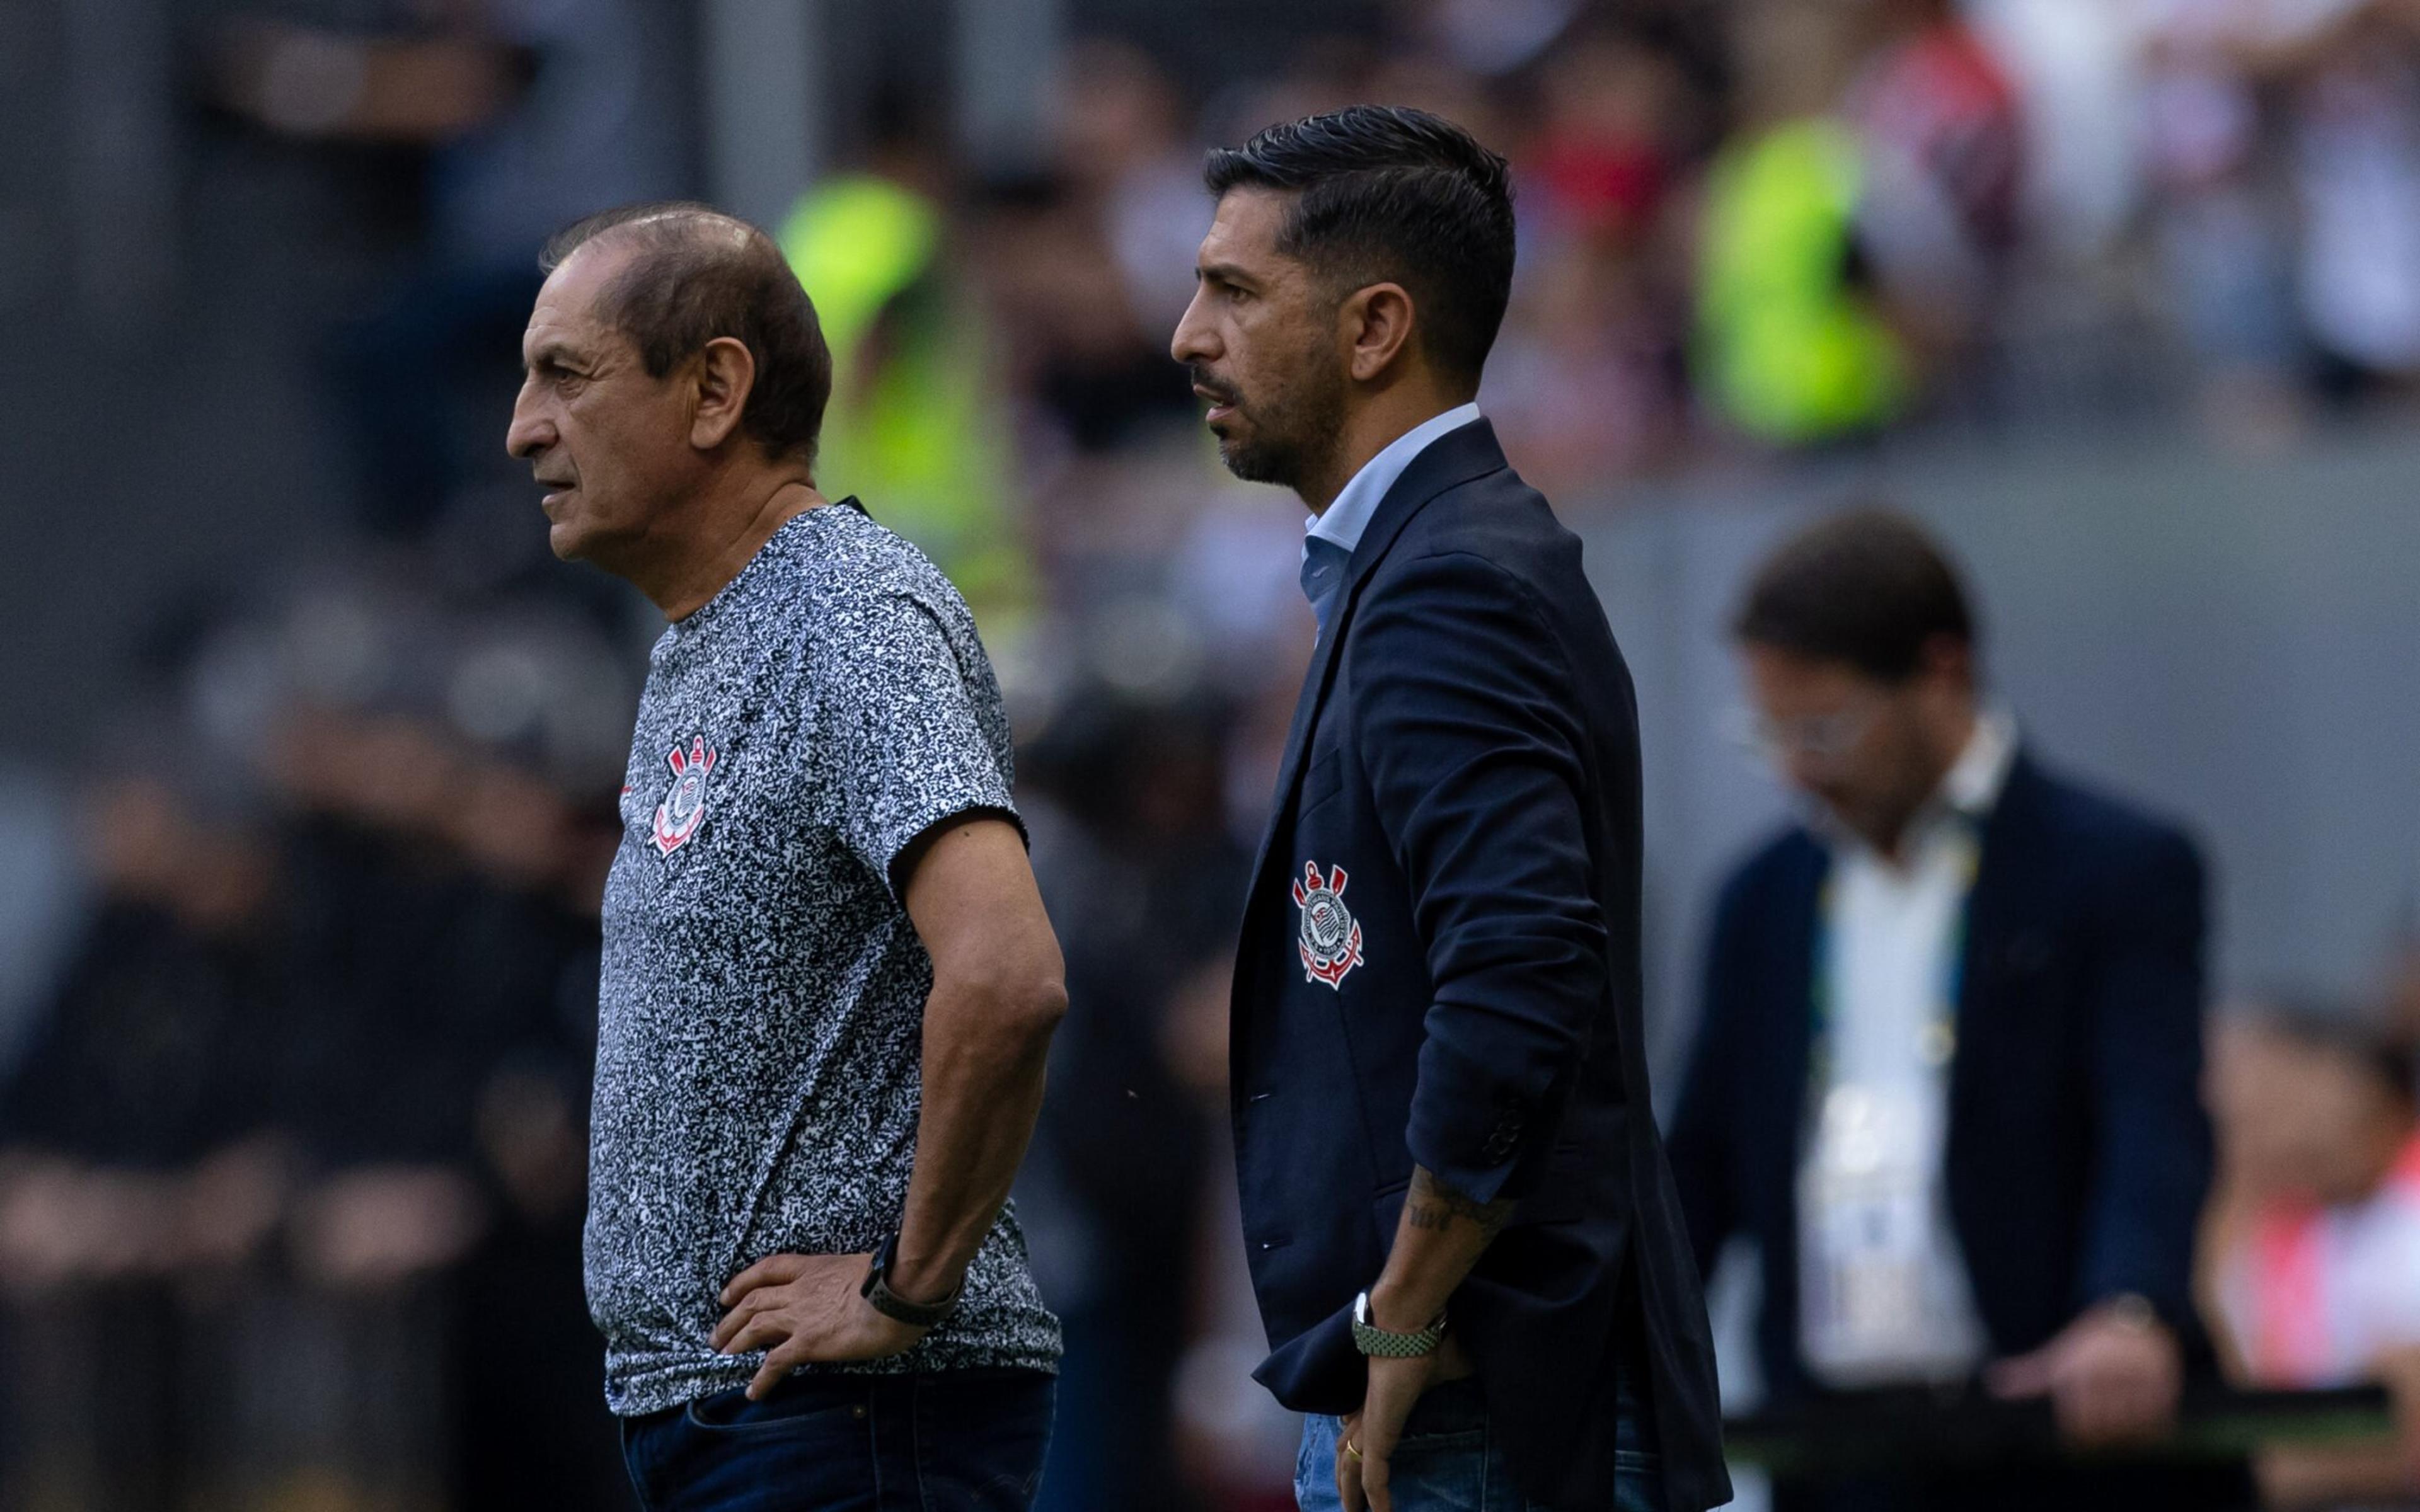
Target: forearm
(983, 1077)
(1439, 1240)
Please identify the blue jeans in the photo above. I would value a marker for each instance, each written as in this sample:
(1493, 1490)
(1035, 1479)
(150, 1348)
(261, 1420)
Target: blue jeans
(1449, 1461)
(958, 1440)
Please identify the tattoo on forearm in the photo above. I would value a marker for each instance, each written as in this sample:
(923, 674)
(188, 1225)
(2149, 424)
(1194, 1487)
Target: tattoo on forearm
(1435, 1206)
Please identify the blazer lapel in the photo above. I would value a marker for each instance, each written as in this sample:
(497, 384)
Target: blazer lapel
(1797, 959)
(1453, 459)
(1999, 930)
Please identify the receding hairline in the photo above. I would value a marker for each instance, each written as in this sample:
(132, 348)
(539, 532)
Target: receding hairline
(690, 228)
(644, 236)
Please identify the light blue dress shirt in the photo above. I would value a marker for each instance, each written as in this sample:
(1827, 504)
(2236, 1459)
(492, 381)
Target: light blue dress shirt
(1349, 516)
(1330, 537)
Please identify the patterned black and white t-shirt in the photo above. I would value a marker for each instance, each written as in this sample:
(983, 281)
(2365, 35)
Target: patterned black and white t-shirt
(763, 994)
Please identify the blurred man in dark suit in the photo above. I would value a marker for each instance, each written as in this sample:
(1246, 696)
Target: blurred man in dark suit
(1946, 1069)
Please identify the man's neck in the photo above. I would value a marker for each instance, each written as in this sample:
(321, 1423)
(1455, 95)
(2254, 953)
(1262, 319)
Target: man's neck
(1375, 425)
(1945, 750)
(685, 575)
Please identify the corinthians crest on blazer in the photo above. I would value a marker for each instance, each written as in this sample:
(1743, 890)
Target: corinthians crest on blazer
(1440, 963)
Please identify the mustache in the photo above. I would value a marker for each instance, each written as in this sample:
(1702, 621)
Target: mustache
(1226, 393)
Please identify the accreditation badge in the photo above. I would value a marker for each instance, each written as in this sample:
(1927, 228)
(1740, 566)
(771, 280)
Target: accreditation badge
(1872, 1268)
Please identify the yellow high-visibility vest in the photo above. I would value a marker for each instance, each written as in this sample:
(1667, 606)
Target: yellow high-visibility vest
(912, 429)
(1786, 349)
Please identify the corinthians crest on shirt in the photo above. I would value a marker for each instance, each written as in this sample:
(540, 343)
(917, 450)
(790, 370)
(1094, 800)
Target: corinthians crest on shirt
(684, 808)
(1330, 941)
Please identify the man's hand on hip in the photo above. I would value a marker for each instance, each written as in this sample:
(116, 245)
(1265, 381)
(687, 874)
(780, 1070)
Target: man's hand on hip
(1365, 1451)
(802, 1308)
(1439, 1236)
(1367, 1446)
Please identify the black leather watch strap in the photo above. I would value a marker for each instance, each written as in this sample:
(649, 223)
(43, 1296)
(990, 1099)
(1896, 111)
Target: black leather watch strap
(878, 1292)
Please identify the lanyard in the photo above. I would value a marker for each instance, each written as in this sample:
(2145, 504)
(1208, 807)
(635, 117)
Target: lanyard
(1937, 1040)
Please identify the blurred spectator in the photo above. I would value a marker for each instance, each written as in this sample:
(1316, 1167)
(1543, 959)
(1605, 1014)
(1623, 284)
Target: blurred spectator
(913, 426)
(532, 114)
(149, 1058)
(1939, 213)
(1142, 888)
(1946, 1075)
(321, 1058)
(1858, 227)
(1488, 36)
(2073, 65)
(2217, 227)
(2326, 92)
(1586, 381)
(1122, 144)
(2351, 69)
(1073, 336)
(1611, 128)
(1793, 346)
(2315, 1255)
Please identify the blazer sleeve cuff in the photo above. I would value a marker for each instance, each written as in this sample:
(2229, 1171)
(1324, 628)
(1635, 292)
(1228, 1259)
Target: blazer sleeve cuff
(1471, 1128)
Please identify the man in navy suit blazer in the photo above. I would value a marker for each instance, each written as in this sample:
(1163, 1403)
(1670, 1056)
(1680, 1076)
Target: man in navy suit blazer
(1958, 931)
(1465, 1241)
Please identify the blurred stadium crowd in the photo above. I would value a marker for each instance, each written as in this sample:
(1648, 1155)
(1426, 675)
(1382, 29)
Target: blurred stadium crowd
(291, 1142)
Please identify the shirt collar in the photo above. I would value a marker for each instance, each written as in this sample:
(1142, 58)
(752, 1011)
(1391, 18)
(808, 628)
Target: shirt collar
(1975, 780)
(1349, 516)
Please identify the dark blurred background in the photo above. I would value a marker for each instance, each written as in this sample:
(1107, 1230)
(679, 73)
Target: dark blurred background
(306, 785)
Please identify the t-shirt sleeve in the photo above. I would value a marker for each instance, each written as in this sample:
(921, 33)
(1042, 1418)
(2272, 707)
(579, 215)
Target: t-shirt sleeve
(909, 746)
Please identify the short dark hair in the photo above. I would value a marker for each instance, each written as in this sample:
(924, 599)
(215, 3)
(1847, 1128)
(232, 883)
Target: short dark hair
(696, 276)
(1866, 586)
(1390, 193)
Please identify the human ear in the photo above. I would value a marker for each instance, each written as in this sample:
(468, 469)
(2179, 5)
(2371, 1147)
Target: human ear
(725, 373)
(1378, 325)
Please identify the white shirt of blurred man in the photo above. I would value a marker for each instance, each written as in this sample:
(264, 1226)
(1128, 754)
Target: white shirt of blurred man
(1884, 1297)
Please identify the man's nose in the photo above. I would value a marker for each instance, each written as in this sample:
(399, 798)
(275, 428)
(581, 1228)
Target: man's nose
(1192, 341)
(529, 434)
